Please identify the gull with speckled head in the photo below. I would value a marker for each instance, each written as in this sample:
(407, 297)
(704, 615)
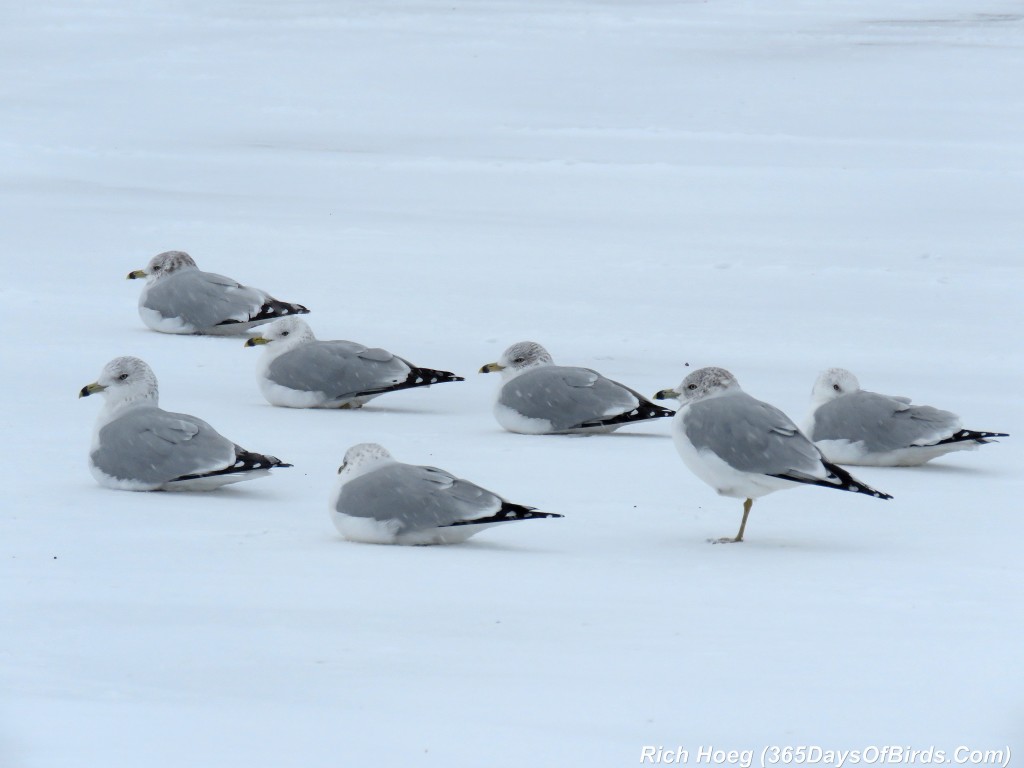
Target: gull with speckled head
(138, 446)
(300, 371)
(378, 500)
(853, 426)
(746, 448)
(537, 397)
(180, 298)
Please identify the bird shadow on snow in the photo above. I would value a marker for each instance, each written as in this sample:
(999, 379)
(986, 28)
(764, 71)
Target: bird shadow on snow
(638, 435)
(607, 435)
(936, 469)
(473, 545)
(228, 494)
(388, 409)
(954, 469)
(488, 545)
(762, 544)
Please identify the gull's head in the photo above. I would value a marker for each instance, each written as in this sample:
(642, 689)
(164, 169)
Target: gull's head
(702, 383)
(519, 357)
(285, 333)
(163, 264)
(833, 383)
(124, 380)
(363, 458)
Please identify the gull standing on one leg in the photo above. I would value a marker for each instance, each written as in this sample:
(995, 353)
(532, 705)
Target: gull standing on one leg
(746, 448)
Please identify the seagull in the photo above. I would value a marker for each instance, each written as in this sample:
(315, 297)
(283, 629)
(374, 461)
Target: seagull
(299, 371)
(378, 500)
(538, 397)
(746, 448)
(853, 426)
(180, 298)
(138, 446)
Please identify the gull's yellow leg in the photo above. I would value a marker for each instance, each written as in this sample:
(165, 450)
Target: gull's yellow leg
(747, 504)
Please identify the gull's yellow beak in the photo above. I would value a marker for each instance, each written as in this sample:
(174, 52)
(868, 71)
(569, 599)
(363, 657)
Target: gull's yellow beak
(666, 394)
(492, 368)
(136, 274)
(256, 340)
(91, 389)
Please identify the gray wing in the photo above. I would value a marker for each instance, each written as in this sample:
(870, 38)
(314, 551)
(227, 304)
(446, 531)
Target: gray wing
(204, 299)
(155, 446)
(338, 368)
(567, 397)
(751, 436)
(419, 498)
(881, 422)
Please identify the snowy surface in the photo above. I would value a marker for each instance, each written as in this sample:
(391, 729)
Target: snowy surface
(775, 188)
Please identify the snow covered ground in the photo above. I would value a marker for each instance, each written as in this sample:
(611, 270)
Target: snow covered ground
(775, 188)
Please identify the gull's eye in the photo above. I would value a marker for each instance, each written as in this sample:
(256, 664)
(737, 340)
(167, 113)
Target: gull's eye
(835, 387)
(122, 377)
(519, 360)
(691, 387)
(285, 333)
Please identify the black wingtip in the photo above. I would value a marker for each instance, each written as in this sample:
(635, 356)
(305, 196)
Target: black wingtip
(838, 478)
(848, 482)
(507, 514)
(245, 461)
(643, 412)
(967, 435)
(425, 377)
(418, 377)
(273, 309)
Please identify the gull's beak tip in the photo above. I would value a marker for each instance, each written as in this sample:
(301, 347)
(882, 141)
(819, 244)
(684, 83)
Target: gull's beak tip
(90, 389)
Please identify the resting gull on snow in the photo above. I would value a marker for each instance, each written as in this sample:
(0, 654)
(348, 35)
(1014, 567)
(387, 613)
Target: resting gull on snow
(853, 426)
(299, 371)
(537, 397)
(138, 446)
(378, 500)
(180, 298)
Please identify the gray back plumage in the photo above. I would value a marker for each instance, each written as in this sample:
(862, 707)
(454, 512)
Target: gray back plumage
(337, 368)
(203, 299)
(152, 445)
(419, 498)
(566, 396)
(750, 435)
(881, 422)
